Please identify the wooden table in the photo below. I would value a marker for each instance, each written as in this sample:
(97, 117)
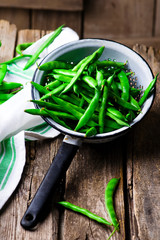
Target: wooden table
(135, 158)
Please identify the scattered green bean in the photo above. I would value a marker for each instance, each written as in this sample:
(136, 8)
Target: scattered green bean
(22, 46)
(84, 212)
(35, 56)
(111, 186)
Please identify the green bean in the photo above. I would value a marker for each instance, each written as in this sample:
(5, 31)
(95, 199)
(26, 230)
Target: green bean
(90, 81)
(84, 212)
(53, 84)
(69, 108)
(40, 88)
(65, 72)
(5, 96)
(109, 63)
(34, 111)
(77, 66)
(123, 103)
(3, 71)
(111, 186)
(147, 91)
(134, 102)
(89, 111)
(62, 78)
(10, 85)
(116, 112)
(47, 105)
(119, 121)
(16, 59)
(48, 66)
(59, 114)
(103, 109)
(125, 85)
(46, 43)
(56, 119)
(54, 91)
(22, 46)
(91, 58)
(90, 132)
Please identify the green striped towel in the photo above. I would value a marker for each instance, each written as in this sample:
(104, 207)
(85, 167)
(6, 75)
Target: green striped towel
(16, 126)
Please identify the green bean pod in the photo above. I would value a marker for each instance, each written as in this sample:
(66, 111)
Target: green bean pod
(125, 85)
(111, 186)
(3, 71)
(89, 111)
(9, 85)
(147, 91)
(35, 56)
(22, 46)
(85, 212)
(48, 66)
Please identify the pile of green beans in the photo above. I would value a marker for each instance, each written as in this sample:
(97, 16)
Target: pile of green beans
(109, 193)
(91, 97)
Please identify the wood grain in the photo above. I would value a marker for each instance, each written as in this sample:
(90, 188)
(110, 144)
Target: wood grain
(143, 165)
(50, 20)
(8, 38)
(86, 180)
(157, 19)
(19, 17)
(69, 5)
(109, 19)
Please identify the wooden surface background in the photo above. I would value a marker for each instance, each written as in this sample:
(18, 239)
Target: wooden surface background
(136, 20)
(135, 157)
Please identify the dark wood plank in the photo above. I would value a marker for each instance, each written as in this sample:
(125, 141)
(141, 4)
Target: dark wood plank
(19, 17)
(148, 41)
(157, 19)
(50, 20)
(69, 5)
(111, 19)
(143, 181)
(87, 177)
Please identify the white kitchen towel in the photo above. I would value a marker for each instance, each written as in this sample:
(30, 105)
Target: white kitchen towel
(15, 124)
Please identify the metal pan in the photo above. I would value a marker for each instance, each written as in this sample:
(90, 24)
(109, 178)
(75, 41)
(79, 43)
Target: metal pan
(74, 52)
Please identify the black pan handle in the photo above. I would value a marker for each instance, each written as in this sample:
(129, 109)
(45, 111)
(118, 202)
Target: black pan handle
(55, 173)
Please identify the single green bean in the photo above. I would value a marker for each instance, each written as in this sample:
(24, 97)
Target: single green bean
(109, 63)
(65, 72)
(119, 121)
(48, 105)
(123, 103)
(5, 96)
(85, 212)
(103, 109)
(16, 59)
(125, 85)
(111, 186)
(10, 85)
(34, 111)
(46, 43)
(91, 132)
(48, 66)
(148, 90)
(54, 91)
(3, 71)
(52, 85)
(22, 46)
